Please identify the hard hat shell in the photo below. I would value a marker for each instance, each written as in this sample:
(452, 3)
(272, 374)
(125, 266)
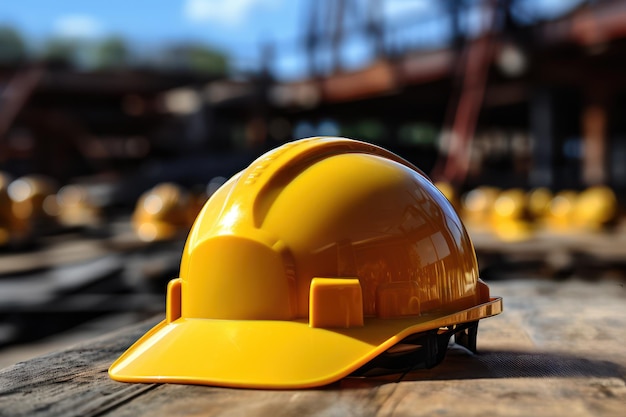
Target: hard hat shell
(320, 256)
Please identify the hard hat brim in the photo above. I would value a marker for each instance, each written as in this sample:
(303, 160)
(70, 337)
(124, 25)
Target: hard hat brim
(270, 354)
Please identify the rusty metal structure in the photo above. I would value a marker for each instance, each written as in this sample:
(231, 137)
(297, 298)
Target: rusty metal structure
(522, 102)
(492, 95)
(65, 123)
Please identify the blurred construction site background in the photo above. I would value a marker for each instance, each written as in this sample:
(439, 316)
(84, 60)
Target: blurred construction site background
(119, 120)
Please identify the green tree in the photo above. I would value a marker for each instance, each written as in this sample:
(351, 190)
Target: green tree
(112, 53)
(196, 58)
(202, 59)
(12, 47)
(61, 51)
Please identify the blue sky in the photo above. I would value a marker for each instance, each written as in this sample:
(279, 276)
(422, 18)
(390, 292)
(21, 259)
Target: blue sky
(238, 27)
(221, 21)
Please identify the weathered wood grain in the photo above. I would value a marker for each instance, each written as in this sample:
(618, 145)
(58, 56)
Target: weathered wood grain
(558, 349)
(71, 382)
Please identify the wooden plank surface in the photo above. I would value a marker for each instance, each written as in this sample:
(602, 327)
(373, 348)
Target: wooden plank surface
(558, 349)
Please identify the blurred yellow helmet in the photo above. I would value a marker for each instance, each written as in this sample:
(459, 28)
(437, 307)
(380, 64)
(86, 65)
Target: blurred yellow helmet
(28, 194)
(594, 207)
(162, 213)
(561, 211)
(510, 204)
(311, 265)
(477, 206)
(21, 208)
(539, 202)
(74, 206)
(509, 215)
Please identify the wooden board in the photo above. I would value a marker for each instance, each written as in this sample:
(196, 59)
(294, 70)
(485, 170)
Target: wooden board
(558, 349)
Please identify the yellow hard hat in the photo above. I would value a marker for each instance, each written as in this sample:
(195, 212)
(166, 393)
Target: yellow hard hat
(28, 194)
(560, 214)
(21, 213)
(477, 206)
(594, 207)
(510, 204)
(162, 212)
(539, 202)
(508, 215)
(75, 207)
(312, 264)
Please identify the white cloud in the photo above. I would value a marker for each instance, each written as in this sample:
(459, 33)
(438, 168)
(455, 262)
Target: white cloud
(398, 8)
(226, 12)
(77, 26)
